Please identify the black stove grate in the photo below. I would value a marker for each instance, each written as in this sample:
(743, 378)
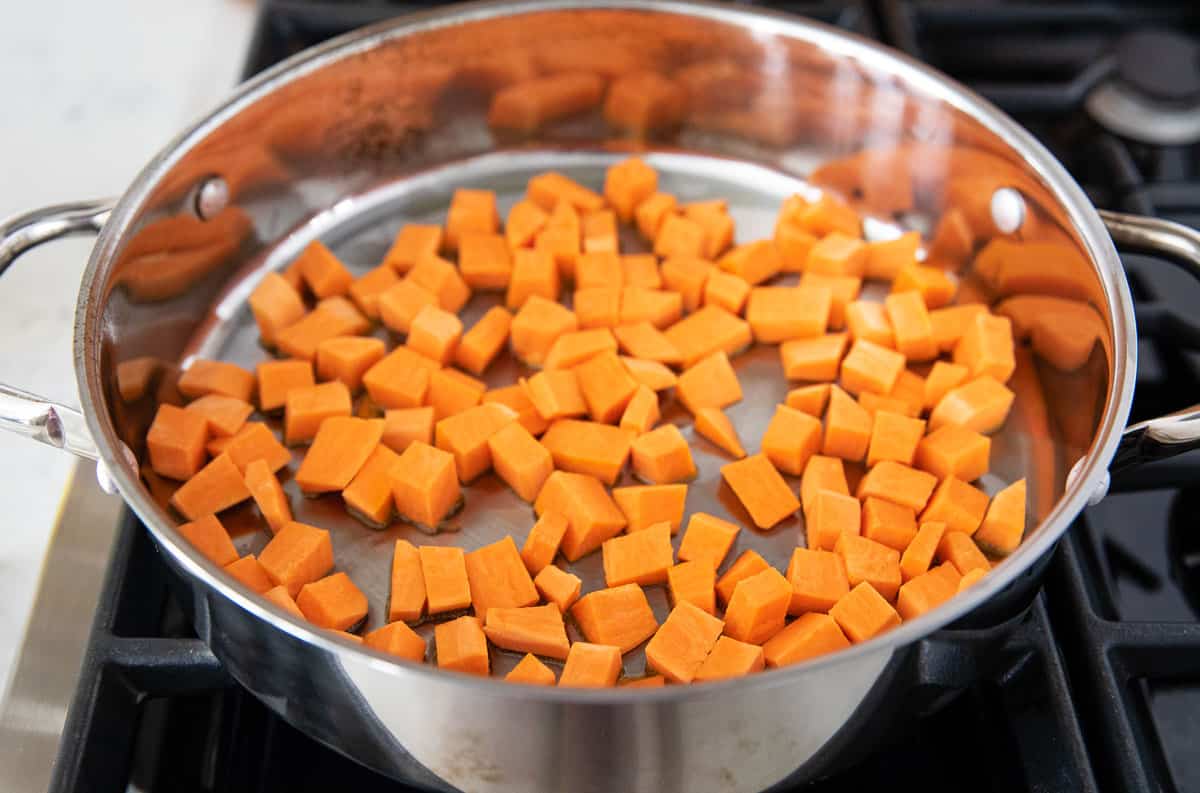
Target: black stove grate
(1096, 688)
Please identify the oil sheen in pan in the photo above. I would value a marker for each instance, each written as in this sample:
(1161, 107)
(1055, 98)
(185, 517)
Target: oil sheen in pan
(360, 229)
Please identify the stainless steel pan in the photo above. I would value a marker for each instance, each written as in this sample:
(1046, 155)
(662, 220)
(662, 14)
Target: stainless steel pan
(351, 139)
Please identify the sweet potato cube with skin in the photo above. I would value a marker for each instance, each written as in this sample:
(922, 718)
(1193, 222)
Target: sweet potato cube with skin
(176, 441)
(869, 367)
(587, 447)
(754, 263)
(280, 597)
(402, 427)
(679, 647)
(398, 639)
(695, 583)
(441, 279)
(927, 591)
(444, 570)
(831, 516)
(986, 348)
(894, 437)
(810, 635)
(268, 495)
(837, 254)
(216, 377)
(434, 333)
(981, 404)
(643, 340)
(688, 276)
(275, 304)
(514, 397)
(249, 572)
(298, 554)
(957, 504)
(885, 258)
(558, 587)
(662, 456)
(868, 320)
(333, 602)
(647, 505)
(960, 550)
(592, 515)
(727, 291)
(536, 327)
(576, 347)
(485, 261)
(822, 473)
(642, 557)
(714, 425)
(911, 326)
(555, 394)
(641, 270)
(599, 269)
(520, 460)
(548, 189)
(533, 629)
(324, 274)
(466, 436)
(864, 614)
(816, 358)
(888, 524)
(619, 616)
(277, 378)
(591, 666)
(425, 485)
(412, 242)
(208, 536)
(534, 272)
(641, 414)
(543, 541)
(627, 184)
(707, 539)
(398, 304)
(461, 646)
(369, 494)
(652, 211)
(843, 290)
(498, 577)
(791, 438)
(679, 236)
(761, 490)
(651, 374)
(256, 442)
(347, 358)
(899, 484)
(934, 286)
(780, 313)
(606, 386)
(523, 223)
(305, 409)
(746, 565)
(470, 211)
(406, 600)
(1004, 523)
(366, 289)
(870, 561)
(917, 557)
(659, 307)
(810, 399)
(818, 580)
(758, 608)
(954, 450)
(215, 487)
(847, 427)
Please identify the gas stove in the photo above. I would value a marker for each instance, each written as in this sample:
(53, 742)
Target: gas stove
(1096, 686)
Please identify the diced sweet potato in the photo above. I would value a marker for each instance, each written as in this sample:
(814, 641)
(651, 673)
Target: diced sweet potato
(746, 565)
(249, 572)
(894, 437)
(1004, 523)
(534, 272)
(818, 580)
(498, 577)
(643, 340)
(276, 304)
(941, 379)
(760, 488)
(642, 557)
(333, 602)
(651, 374)
(397, 639)
(932, 283)
(208, 536)
(403, 426)
(255, 441)
(646, 505)
(520, 460)
(695, 583)
(412, 242)
(957, 504)
(217, 486)
(434, 333)
(175, 442)
(597, 307)
(885, 258)
(864, 614)
(558, 587)
(887, 523)
(537, 325)
(425, 485)
(576, 347)
(662, 456)
(592, 515)
(441, 279)
(523, 223)
(843, 289)
(810, 635)
(470, 211)
(679, 647)
(591, 666)
(641, 270)
(986, 348)
(369, 494)
(981, 404)
(708, 330)
(960, 550)
(543, 541)
(872, 562)
(324, 274)
(837, 254)
(587, 447)
(688, 276)
(780, 313)
(333, 317)
(406, 600)
(277, 378)
(450, 392)
(730, 658)
(659, 307)
(514, 396)
(822, 473)
(339, 450)
(366, 289)
(791, 438)
(868, 320)
(816, 358)
(847, 427)
(216, 377)
(920, 551)
(831, 516)
(642, 413)
(466, 435)
(627, 184)
(652, 211)
(484, 261)
(619, 616)
(714, 425)
(461, 646)
(927, 591)
(951, 322)
(599, 269)
(869, 367)
(444, 571)
(280, 597)
(298, 554)
(305, 409)
(911, 326)
(954, 450)
(973, 576)
(555, 394)
(533, 629)
(347, 358)
(758, 607)
(267, 494)
(606, 386)
(810, 399)
(548, 189)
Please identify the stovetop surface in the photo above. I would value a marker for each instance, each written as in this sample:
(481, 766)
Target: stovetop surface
(1098, 686)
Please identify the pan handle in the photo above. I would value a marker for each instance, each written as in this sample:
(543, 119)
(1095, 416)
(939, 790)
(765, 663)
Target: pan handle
(1165, 436)
(27, 414)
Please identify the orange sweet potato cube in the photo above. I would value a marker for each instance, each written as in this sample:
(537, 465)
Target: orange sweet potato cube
(306, 408)
(661, 308)
(899, 484)
(276, 378)
(754, 263)
(441, 279)
(400, 379)
(534, 272)
(641, 414)
(708, 330)
(485, 261)
(641, 270)
(434, 333)
(869, 367)
(550, 188)
(707, 539)
(627, 184)
(340, 448)
(681, 644)
(215, 487)
(555, 394)
(957, 504)
(465, 435)
(412, 242)
(523, 223)
(529, 629)
(255, 441)
(606, 386)
(571, 349)
(587, 447)
(932, 283)
(591, 666)
(986, 348)
(369, 494)
(847, 427)
(831, 516)
(398, 304)
(347, 358)
(175, 442)
(822, 473)
(887, 523)
(837, 254)
(818, 580)
(843, 290)
(727, 291)
(406, 600)
(425, 485)
(597, 307)
(954, 450)
(470, 211)
(208, 536)
(791, 438)
(714, 425)
(592, 515)
(536, 327)
(216, 377)
(911, 326)
(747, 564)
(810, 399)
(618, 616)
(450, 392)
(652, 211)
(808, 636)
(885, 258)
(941, 379)
(514, 396)
(298, 554)
(981, 404)
(872, 562)
(444, 570)
(1004, 523)
(864, 614)
(693, 582)
(662, 456)
(761, 490)
(868, 320)
(960, 550)
(333, 602)
(461, 646)
(817, 358)
(325, 275)
(398, 639)
(268, 494)
(249, 572)
(647, 505)
(688, 276)
(643, 340)
(951, 322)
(651, 374)
(333, 316)
(498, 577)
(679, 236)
(543, 541)
(917, 557)
(642, 557)
(403, 426)
(758, 607)
(558, 587)
(366, 289)
(780, 313)
(894, 437)
(276, 304)
(927, 591)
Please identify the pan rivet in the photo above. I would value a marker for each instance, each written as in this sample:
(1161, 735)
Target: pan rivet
(1008, 210)
(212, 198)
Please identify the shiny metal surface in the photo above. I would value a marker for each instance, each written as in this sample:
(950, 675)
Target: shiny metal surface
(1136, 116)
(34, 707)
(352, 138)
(18, 234)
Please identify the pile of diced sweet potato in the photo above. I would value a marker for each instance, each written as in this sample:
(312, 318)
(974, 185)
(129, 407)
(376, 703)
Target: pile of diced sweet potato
(910, 386)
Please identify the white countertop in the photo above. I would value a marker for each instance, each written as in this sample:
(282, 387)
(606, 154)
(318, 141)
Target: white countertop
(93, 91)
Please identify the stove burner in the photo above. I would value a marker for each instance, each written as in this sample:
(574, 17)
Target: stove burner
(1153, 95)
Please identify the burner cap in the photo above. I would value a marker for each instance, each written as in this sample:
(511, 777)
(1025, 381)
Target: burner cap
(1153, 95)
